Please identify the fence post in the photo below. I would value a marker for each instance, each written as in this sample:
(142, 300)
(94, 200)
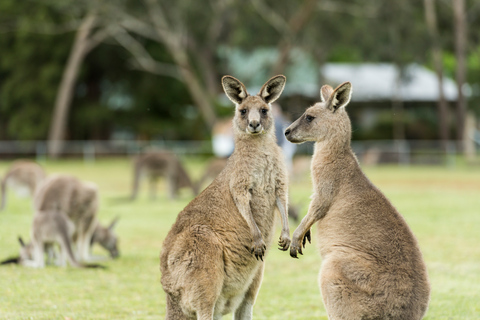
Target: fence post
(88, 152)
(41, 151)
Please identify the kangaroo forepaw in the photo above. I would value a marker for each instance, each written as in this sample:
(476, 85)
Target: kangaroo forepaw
(284, 242)
(258, 249)
(298, 242)
(306, 237)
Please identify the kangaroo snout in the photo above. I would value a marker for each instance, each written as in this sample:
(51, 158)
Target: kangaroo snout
(254, 126)
(287, 132)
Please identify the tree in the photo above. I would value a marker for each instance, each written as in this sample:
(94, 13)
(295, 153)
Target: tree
(170, 27)
(85, 40)
(460, 29)
(442, 104)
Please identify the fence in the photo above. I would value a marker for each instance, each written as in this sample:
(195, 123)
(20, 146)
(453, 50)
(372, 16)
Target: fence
(403, 152)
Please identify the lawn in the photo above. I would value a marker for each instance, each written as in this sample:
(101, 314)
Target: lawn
(442, 206)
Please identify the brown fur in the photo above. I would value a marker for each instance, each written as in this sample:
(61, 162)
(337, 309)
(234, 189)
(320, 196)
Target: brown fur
(22, 174)
(212, 258)
(372, 267)
(216, 166)
(161, 164)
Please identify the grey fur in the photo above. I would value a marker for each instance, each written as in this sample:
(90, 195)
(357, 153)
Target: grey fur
(372, 267)
(21, 174)
(161, 164)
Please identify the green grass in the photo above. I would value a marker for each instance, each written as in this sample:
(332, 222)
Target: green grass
(441, 206)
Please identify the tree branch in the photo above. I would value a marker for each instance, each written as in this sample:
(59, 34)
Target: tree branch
(143, 59)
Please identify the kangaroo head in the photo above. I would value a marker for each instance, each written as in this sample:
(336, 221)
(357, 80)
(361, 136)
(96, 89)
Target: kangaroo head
(106, 238)
(253, 114)
(26, 250)
(326, 120)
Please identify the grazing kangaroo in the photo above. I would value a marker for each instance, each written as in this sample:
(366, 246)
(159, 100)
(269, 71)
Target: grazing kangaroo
(156, 165)
(65, 214)
(106, 238)
(372, 267)
(212, 258)
(23, 175)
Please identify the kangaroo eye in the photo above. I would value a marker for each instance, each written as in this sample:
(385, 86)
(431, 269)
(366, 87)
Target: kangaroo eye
(243, 111)
(264, 111)
(309, 118)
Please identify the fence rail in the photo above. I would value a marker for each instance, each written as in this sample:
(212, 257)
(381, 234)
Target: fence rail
(403, 152)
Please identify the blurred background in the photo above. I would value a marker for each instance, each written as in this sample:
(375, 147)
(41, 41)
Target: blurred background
(113, 77)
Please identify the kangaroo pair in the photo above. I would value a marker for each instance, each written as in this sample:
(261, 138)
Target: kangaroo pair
(212, 258)
(65, 214)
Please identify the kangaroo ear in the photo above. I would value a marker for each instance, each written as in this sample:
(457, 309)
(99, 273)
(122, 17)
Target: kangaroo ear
(20, 240)
(340, 96)
(273, 88)
(234, 89)
(113, 223)
(325, 92)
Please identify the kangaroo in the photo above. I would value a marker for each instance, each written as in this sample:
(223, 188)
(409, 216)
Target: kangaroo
(216, 166)
(158, 164)
(59, 230)
(106, 238)
(372, 267)
(212, 258)
(22, 175)
(66, 214)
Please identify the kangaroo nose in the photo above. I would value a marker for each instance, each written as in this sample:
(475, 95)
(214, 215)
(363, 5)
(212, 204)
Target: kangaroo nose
(287, 132)
(254, 124)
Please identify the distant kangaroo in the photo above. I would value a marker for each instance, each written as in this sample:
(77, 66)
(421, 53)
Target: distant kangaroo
(65, 214)
(157, 164)
(22, 175)
(372, 267)
(212, 258)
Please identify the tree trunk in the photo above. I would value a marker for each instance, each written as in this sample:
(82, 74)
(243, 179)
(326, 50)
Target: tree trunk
(65, 91)
(199, 95)
(397, 109)
(178, 49)
(460, 27)
(442, 104)
(296, 23)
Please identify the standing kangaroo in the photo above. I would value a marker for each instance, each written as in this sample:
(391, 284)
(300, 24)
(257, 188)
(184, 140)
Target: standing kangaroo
(212, 258)
(156, 165)
(22, 175)
(372, 267)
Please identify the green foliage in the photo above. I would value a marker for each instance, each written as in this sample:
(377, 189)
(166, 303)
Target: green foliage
(36, 38)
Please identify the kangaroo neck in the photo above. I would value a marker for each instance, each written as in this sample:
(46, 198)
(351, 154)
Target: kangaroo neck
(330, 153)
(260, 141)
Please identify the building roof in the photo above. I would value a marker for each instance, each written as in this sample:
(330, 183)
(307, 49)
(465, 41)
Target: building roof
(378, 81)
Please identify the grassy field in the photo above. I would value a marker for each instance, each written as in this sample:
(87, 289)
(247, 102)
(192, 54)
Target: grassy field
(442, 207)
